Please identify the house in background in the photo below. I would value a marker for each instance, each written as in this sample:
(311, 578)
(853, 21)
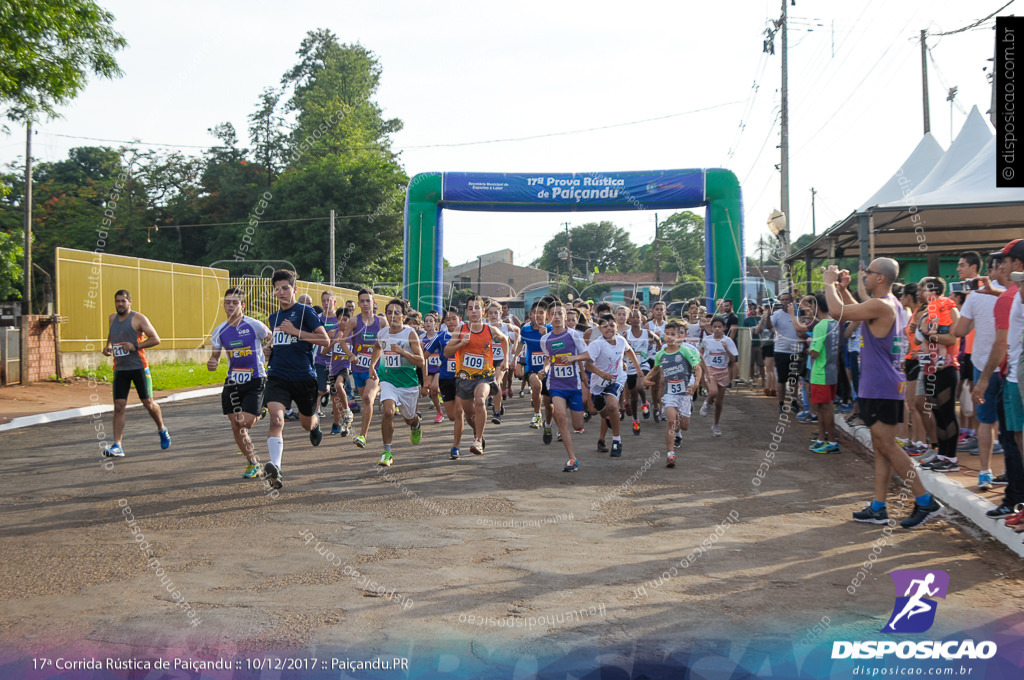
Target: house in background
(494, 275)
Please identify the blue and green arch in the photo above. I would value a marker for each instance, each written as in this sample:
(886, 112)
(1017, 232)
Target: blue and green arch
(430, 193)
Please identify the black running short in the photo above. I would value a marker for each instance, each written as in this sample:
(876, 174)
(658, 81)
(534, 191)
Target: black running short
(912, 368)
(768, 350)
(631, 381)
(885, 411)
(246, 397)
(123, 383)
(446, 386)
(303, 392)
(967, 368)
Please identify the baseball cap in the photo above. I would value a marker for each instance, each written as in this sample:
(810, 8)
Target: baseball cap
(1014, 249)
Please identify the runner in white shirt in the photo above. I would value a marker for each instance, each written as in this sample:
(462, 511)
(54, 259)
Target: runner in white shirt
(608, 376)
(720, 354)
(501, 362)
(644, 346)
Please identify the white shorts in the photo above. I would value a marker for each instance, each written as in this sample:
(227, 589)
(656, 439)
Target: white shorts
(682, 402)
(405, 397)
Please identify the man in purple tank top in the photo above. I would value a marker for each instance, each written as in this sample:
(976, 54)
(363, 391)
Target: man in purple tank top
(882, 382)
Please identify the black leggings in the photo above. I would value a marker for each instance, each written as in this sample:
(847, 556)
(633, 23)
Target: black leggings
(940, 388)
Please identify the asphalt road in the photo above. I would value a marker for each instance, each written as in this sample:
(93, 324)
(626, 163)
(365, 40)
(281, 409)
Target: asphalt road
(464, 565)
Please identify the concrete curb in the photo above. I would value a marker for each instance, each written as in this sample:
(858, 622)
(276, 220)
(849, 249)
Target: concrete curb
(39, 419)
(951, 494)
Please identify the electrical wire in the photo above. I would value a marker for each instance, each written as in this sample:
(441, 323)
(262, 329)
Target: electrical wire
(976, 24)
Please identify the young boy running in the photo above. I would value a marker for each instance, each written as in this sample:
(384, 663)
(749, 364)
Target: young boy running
(607, 378)
(296, 328)
(565, 347)
(242, 399)
(531, 335)
(825, 376)
(643, 344)
(399, 352)
(446, 381)
(656, 327)
(720, 355)
(501, 360)
(361, 336)
(339, 367)
(678, 365)
(472, 348)
(434, 360)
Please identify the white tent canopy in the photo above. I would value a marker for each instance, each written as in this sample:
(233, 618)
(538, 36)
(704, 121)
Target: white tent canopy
(953, 207)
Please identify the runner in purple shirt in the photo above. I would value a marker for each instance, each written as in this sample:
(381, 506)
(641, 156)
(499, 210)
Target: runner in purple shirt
(563, 349)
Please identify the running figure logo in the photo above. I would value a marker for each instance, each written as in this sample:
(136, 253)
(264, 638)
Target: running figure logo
(913, 611)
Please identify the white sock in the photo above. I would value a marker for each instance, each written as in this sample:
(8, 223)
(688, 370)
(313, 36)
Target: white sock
(275, 448)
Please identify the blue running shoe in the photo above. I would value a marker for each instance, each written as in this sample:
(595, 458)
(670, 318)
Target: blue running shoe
(165, 439)
(114, 451)
(571, 466)
(335, 429)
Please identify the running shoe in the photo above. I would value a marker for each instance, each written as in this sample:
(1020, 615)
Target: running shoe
(671, 461)
(439, 418)
(997, 449)
(805, 417)
(252, 470)
(316, 435)
(325, 400)
(922, 514)
(1000, 480)
(968, 444)
(571, 466)
(586, 416)
(636, 428)
(262, 415)
(985, 480)
(915, 449)
(657, 417)
(346, 418)
(477, 447)
(496, 418)
(291, 416)
(521, 393)
(904, 443)
(502, 411)
(678, 439)
(114, 451)
(547, 435)
(335, 428)
(273, 475)
(943, 466)
(833, 447)
(1000, 512)
(558, 437)
(359, 440)
(385, 459)
(870, 516)
(616, 449)
(535, 421)
(716, 431)
(454, 454)
(165, 439)
(704, 410)
(601, 447)
(416, 434)
(647, 410)
(815, 445)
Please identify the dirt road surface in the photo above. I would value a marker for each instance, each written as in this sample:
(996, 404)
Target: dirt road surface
(489, 566)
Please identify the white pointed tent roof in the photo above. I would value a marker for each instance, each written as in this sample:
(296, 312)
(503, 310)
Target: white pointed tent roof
(911, 173)
(955, 207)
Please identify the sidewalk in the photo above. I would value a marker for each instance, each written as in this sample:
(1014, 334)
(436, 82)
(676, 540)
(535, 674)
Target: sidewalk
(957, 490)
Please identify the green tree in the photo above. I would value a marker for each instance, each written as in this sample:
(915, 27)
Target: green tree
(339, 158)
(12, 251)
(681, 246)
(47, 50)
(268, 135)
(594, 244)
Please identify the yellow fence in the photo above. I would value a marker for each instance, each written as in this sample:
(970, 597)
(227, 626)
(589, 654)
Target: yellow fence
(184, 302)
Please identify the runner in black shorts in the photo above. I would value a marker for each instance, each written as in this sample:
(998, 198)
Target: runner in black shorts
(295, 329)
(242, 338)
(446, 381)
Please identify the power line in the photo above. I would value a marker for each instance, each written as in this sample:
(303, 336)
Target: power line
(451, 144)
(977, 23)
(297, 219)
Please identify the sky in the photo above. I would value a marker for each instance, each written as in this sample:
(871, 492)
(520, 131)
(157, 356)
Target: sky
(592, 86)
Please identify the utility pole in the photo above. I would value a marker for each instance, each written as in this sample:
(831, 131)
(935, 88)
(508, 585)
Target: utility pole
(331, 279)
(924, 80)
(814, 221)
(568, 251)
(23, 364)
(657, 252)
(784, 118)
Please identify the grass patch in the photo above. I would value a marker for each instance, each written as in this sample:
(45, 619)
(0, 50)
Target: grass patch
(173, 375)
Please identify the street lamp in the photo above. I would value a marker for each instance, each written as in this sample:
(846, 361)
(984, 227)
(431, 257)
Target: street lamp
(777, 225)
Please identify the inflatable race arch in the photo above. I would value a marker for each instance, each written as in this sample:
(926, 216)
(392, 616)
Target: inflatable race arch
(431, 192)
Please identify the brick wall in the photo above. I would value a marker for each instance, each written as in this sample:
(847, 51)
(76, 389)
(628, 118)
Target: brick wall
(41, 346)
